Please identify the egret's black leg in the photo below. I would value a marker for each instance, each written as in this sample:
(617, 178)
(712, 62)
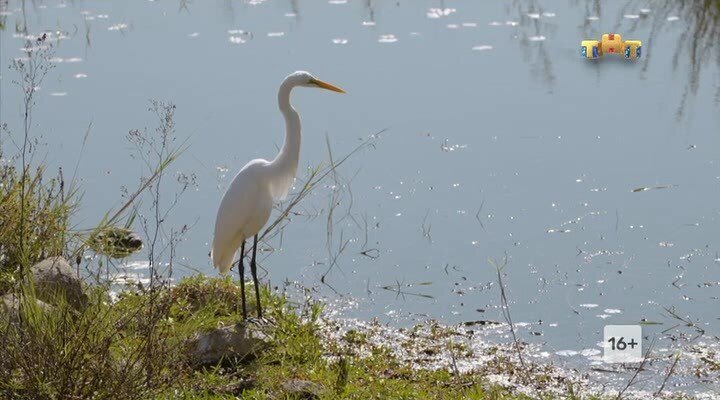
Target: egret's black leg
(253, 269)
(241, 274)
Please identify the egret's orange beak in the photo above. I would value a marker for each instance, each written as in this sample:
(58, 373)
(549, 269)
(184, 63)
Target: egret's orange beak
(326, 85)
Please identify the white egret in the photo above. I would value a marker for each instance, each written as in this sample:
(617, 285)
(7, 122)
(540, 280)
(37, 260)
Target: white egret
(246, 205)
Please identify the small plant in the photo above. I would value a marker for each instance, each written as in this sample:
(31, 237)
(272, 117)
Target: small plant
(35, 206)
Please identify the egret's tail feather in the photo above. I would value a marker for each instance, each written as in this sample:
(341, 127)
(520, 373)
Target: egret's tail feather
(222, 261)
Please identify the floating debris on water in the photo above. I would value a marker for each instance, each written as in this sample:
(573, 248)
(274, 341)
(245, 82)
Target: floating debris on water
(135, 265)
(440, 12)
(222, 171)
(646, 188)
(566, 353)
(387, 39)
(445, 146)
(117, 27)
(588, 305)
(129, 278)
(590, 352)
(559, 230)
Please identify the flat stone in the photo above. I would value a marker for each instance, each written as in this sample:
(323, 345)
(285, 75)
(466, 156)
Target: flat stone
(54, 276)
(226, 344)
(302, 389)
(10, 303)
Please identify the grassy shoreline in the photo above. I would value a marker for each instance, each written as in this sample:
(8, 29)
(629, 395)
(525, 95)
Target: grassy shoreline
(136, 347)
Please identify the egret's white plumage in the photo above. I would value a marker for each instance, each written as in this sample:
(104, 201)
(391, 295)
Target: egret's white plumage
(246, 206)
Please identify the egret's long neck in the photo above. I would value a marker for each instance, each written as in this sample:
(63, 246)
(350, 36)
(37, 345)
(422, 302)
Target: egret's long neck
(286, 162)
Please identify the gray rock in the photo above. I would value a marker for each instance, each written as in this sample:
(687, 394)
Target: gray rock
(54, 276)
(301, 389)
(10, 303)
(225, 344)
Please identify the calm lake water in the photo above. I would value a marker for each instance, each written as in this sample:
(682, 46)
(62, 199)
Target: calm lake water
(500, 141)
